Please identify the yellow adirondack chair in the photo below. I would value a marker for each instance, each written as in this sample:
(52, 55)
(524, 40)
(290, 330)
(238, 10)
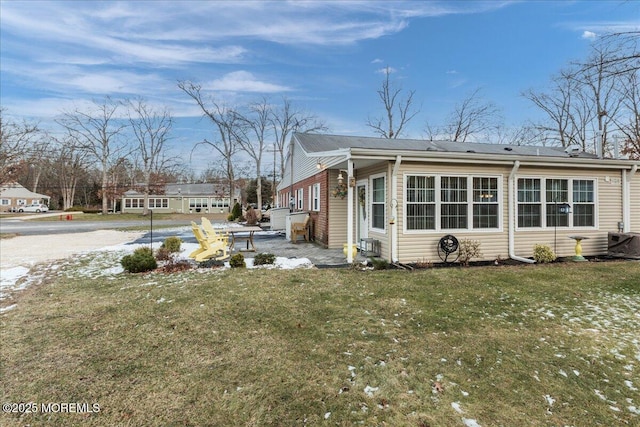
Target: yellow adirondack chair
(211, 233)
(216, 250)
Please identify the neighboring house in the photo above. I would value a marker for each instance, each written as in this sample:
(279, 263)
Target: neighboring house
(407, 194)
(14, 195)
(183, 198)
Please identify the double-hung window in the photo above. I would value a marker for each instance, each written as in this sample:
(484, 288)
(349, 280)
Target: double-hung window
(529, 202)
(557, 193)
(300, 198)
(378, 203)
(485, 202)
(453, 197)
(315, 198)
(583, 203)
(421, 203)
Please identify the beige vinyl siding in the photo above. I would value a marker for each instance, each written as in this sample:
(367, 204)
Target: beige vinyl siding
(337, 215)
(423, 245)
(635, 203)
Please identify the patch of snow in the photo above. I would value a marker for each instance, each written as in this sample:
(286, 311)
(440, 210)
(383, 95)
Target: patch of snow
(633, 410)
(599, 394)
(550, 400)
(327, 415)
(630, 385)
(464, 393)
(456, 407)
(576, 373)
(370, 390)
(614, 408)
(563, 373)
(470, 422)
(8, 308)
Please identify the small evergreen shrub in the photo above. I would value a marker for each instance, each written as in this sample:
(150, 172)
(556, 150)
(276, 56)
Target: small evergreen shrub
(237, 261)
(140, 261)
(468, 250)
(543, 254)
(236, 211)
(172, 244)
(263, 259)
(230, 217)
(379, 263)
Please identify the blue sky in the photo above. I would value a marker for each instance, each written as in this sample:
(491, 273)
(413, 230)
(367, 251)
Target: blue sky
(326, 56)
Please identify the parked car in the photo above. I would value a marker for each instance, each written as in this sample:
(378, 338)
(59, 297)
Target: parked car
(34, 208)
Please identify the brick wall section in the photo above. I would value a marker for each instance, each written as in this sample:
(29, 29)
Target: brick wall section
(320, 220)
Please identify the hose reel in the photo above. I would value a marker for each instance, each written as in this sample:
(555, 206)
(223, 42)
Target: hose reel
(448, 246)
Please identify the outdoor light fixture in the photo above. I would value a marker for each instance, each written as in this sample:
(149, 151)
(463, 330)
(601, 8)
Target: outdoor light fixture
(340, 178)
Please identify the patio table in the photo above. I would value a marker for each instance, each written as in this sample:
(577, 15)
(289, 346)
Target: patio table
(239, 234)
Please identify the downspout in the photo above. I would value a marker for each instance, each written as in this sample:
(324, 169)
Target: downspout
(626, 198)
(350, 200)
(511, 222)
(394, 210)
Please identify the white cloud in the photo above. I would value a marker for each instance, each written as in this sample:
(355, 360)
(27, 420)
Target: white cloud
(377, 61)
(589, 35)
(244, 81)
(386, 70)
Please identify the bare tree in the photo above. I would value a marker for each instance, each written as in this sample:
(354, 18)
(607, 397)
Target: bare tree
(285, 121)
(398, 111)
(16, 143)
(471, 117)
(151, 129)
(624, 53)
(97, 130)
(68, 164)
(225, 121)
(252, 135)
(628, 121)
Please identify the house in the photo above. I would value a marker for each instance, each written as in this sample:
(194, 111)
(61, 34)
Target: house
(405, 195)
(183, 198)
(14, 195)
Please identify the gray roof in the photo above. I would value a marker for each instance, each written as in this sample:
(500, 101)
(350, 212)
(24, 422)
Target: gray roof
(318, 143)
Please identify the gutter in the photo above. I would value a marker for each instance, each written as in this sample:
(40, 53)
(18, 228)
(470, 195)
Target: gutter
(511, 226)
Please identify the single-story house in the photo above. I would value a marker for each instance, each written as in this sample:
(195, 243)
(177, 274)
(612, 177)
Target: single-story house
(183, 198)
(14, 195)
(407, 194)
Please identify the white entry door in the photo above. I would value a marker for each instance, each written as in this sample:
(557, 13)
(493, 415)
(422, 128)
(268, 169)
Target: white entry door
(362, 198)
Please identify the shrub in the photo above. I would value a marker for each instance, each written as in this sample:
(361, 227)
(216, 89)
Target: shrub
(163, 254)
(236, 211)
(379, 263)
(141, 260)
(251, 216)
(172, 244)
(424, 263)
(543, 253)
(174, 266)
(468, 250)
(237, 261)
(230, 217)
(262, 259)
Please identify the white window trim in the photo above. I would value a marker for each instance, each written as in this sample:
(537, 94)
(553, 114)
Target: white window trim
(438, 203)
(543, 202)
(300, 199)
(5, 202)
(370, 207)
(316, 198)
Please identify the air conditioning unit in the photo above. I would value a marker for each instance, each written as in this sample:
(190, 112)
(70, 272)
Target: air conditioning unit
(623, 245)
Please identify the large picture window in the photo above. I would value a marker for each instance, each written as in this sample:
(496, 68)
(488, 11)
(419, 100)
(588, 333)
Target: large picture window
(378, 203)
(452, 202)
(551, 193)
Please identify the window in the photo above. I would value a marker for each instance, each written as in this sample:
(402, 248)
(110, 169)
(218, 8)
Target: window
(5, 202)
(485, 202)
(534, 193)
(453, 197)
(315, 198)
(198, 203)
(158, 203)
(583, 203)
(300, 198)
(421, 203)
(378, 203)
(452, 202)
(529, 203)
(557, 192)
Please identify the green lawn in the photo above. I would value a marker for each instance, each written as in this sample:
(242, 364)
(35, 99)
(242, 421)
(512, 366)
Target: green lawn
(530, 345)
